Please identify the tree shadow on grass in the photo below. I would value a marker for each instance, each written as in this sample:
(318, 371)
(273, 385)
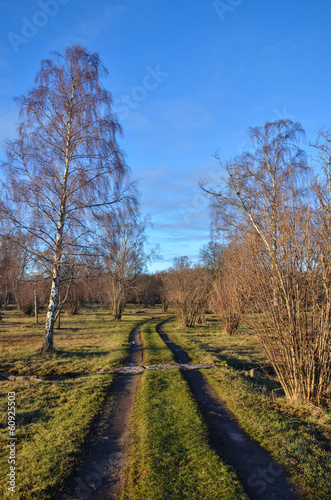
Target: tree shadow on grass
(245, 363)
(82, 354)
(28, 417)
(63, 354)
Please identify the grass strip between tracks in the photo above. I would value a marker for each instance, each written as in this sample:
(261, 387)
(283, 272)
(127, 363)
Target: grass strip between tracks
(155, 350)
(170, 458)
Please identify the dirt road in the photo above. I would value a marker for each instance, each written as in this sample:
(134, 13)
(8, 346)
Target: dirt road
(101, 474)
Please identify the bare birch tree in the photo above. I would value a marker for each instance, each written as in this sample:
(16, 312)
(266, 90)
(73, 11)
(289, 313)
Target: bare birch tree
(122, 235)
(65, 164)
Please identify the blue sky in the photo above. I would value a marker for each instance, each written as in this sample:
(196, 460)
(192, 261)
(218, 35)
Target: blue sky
(187, 77)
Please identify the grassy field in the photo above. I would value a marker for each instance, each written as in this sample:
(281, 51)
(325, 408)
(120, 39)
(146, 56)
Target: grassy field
(54, 416)
(86, 342)
(170, 458)
(52, 422)
(297, 436)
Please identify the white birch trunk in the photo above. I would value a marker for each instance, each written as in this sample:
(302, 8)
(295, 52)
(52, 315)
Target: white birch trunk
(35, 307)
(53, 299)
(54, 296)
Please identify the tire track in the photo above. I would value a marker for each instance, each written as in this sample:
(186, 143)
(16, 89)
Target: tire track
(260, 475)
(100, 476)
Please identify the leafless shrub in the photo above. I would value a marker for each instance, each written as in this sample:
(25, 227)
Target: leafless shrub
(227, 296)
(148, 290)
(286, 236)
(72, 305)
(187, 288)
